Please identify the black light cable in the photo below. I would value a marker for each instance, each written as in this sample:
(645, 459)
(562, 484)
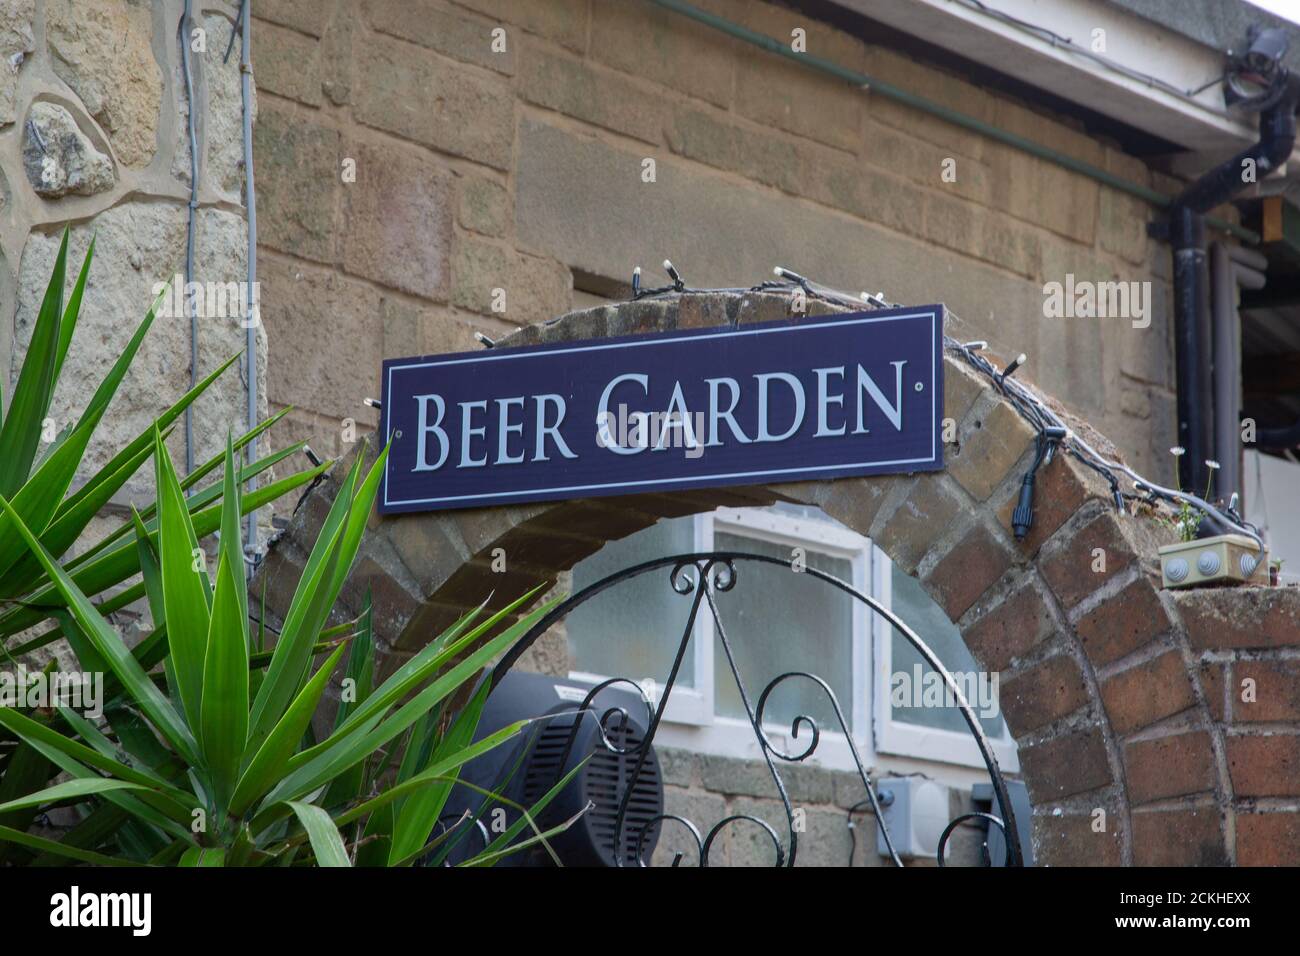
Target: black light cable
(1030, 407)
(1022, 519)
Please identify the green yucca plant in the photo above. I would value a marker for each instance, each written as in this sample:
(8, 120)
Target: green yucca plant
(37, 480)
(211, 762)
(36, 483)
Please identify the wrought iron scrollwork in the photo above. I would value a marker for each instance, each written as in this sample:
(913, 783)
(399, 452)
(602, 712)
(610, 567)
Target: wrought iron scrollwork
(699, 577)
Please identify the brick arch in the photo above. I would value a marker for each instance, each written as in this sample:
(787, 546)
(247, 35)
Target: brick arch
(1113, 705)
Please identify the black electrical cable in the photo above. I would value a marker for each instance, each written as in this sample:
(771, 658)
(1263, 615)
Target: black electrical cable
(1027, 404)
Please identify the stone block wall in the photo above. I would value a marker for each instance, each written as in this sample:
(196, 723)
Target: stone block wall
(707, 788)
(433, 167)
(93, 135)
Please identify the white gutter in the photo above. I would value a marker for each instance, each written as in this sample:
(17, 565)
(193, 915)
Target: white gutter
(1196, 121)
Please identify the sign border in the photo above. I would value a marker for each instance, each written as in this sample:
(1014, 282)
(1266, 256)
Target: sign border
(936, 313)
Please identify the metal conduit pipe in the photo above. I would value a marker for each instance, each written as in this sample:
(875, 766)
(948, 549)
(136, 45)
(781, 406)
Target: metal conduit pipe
(1200, 427)
(1246, 262)
(1248, 278)
(1248, 257)
(965, 121)
(252, 315)
(187, 304)
(1227, 368)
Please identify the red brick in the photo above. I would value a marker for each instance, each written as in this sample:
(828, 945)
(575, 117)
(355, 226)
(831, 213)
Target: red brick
(1268, 839)
(1276, 691)
(1045, 692)
(1169, 767)
(1148, 692)
(475, 583)
(1068, 569)
(277, 580)
(392, 604)
(855, 501)
(1060, 490)
(1213, 675)
(1071, 841)
(544, 551)
(1179, 838)
(1065, 765)
(1264, 766)
(1240, 617)
(929, 509)
(988, 449)
(428, 622)
(967, 571)
(1011, 629)
(1122, 623)
(483, 528)
(701, 310)
(593, 520)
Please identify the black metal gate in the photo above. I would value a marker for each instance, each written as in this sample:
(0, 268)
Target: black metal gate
(717, 572)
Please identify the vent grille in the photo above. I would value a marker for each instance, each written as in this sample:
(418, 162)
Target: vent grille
(543, 769)
(606, 779)
(603, 782)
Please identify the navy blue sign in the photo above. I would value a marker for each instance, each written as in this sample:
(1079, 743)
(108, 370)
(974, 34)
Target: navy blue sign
(823, 397)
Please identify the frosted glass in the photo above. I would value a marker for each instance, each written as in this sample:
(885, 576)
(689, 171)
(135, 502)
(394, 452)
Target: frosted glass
(779, 621)
(633, 629)
(910, 602)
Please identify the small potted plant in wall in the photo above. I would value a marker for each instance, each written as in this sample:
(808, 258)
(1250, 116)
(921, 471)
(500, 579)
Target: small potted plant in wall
(1207, 552)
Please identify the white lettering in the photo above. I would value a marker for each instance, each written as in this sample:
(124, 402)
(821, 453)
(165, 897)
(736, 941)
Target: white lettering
(423, 430)
(892, 412)
(796, 388)
(553, 430)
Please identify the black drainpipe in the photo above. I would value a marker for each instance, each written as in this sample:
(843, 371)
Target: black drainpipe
(1186, 234)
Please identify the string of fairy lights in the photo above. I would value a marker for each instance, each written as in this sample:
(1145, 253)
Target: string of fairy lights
(1052, 431)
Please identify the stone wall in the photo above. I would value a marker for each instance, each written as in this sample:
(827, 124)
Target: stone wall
(93, 135)
(416, 179)
(706, 788)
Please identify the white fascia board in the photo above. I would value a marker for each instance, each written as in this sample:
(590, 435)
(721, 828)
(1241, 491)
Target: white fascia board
(1199, 124)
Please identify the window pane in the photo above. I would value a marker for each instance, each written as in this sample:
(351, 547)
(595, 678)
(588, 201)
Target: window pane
(931, 624)
(779, 621)
(633, 629)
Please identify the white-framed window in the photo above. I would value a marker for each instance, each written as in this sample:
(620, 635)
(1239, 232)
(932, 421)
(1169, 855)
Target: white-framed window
(777, 623)
(905, 721)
